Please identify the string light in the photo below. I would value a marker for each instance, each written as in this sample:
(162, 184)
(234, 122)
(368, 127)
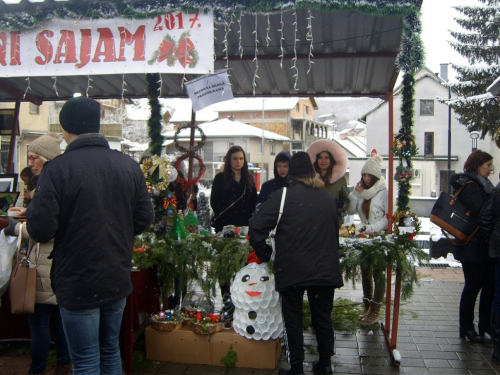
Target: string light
(240, 48)
(255, 76)
(282, 52)
(309, 38)
(54, 86)
(27, 87)
(294, 59)
(123, 86)
(267, 30)
(227, 27)
(160, 81)
(88, 85)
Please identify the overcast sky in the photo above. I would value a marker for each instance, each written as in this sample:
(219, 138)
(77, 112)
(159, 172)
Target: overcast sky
(437, 19)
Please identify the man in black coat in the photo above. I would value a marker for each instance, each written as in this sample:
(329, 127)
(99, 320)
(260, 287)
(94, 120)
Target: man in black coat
(307, 258)
(92, 200)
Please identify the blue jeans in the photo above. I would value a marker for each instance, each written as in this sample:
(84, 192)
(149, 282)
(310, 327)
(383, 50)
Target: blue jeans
(93, 337)
(46, 318)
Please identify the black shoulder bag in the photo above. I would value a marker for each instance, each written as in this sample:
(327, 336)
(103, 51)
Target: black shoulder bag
(451, 215)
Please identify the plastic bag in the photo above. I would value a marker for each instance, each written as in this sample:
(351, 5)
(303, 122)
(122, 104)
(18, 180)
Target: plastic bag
(8, 246)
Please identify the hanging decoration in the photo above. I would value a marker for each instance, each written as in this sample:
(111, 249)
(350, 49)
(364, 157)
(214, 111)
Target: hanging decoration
(182, 51)
(193, 148)
(186, 183)
(255, 59)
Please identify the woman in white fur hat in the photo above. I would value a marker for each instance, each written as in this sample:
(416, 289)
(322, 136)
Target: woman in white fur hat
(369, 200)
(330, 162)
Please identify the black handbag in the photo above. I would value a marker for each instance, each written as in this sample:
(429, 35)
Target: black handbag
(451, 215)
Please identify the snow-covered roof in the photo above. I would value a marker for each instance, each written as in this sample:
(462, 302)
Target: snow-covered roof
(354, 146)
(181, 109)
(134, 146)
(256, 104)
(494, 88)
(226, 128)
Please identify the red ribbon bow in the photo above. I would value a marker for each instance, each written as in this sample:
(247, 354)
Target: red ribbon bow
(172, 200)
(180, 51)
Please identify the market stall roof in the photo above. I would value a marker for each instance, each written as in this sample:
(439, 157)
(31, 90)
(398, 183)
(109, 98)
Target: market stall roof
(300, 51)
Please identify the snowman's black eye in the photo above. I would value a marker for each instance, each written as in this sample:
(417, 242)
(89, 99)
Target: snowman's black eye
(264, 278)
(245, 278)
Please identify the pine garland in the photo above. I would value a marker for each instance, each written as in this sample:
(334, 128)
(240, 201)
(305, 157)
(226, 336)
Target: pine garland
(141, 9)
(400, 252)
(154, 122)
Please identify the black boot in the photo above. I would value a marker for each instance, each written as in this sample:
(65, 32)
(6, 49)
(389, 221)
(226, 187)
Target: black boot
(495, 336)
(471, 334)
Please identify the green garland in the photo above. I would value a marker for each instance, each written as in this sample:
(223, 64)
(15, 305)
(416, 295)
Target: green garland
(205, 259)
(154, 122)
(401, 253)
(141, 9)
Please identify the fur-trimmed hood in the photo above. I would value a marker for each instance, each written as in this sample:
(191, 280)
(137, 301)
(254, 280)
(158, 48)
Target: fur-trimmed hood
(338, 154)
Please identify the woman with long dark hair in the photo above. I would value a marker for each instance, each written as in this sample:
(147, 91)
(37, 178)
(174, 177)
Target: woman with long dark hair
(369, 200)
(477, 266)
(233, 195)
(233, 199)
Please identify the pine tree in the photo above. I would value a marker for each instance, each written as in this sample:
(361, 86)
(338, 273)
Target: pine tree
(480, 45)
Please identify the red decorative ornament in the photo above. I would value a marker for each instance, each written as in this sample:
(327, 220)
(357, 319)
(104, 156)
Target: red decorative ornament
(198, 316)
(169, 201)
(185, 184)
(182, 51)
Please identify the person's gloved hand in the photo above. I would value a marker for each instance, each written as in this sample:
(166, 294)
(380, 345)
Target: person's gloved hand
(10, 229)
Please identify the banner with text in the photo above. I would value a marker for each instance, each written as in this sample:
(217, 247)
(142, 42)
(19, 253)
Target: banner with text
(174, 43)
(209, 89)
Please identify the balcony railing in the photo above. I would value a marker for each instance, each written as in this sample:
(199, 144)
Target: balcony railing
(109, 130)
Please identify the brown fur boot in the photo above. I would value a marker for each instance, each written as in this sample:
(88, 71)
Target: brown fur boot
(63, 370)
(366, 302)
(373, 313)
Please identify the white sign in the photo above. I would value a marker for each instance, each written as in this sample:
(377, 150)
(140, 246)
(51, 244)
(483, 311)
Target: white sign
(175, 43)
(209, 89)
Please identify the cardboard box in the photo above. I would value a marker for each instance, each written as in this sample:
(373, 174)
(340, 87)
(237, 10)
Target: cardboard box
(251, 353)
(185, 346)
(181, 345)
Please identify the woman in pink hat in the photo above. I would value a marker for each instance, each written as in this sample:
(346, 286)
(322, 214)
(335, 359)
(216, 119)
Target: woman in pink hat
(330, 162)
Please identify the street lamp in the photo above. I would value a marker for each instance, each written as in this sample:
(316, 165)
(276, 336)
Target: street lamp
(474, 136)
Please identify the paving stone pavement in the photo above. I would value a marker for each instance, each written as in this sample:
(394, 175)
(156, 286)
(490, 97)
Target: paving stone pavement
(428, 341)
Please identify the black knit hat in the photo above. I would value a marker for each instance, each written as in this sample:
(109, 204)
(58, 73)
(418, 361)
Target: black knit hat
(81, 115)
(301, 166)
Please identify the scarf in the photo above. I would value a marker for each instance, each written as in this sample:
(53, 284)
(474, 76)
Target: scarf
(368, 194)
(486, 184)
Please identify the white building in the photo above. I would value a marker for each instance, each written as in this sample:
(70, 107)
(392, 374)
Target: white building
(431, 136)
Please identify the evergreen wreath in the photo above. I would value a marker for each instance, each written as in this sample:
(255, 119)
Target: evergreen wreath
(193, 148)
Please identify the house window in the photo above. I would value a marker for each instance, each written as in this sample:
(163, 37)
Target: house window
(426, 107)
(429, 144)
(272, 149)
(34, 109)
(229, 145)
(306, 109)
(297, 108)
(260, 149)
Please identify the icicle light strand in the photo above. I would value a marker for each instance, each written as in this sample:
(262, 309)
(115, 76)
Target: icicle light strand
(54, 86)
(240, 48)
(123, 87)
(282, 52)
(295, 40)
(310, 39)
(267, 31)
(160, 81)
(255, 76)
(88, 86)
(28, 87)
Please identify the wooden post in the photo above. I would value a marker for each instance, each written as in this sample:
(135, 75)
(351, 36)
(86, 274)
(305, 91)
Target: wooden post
(391, 335)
